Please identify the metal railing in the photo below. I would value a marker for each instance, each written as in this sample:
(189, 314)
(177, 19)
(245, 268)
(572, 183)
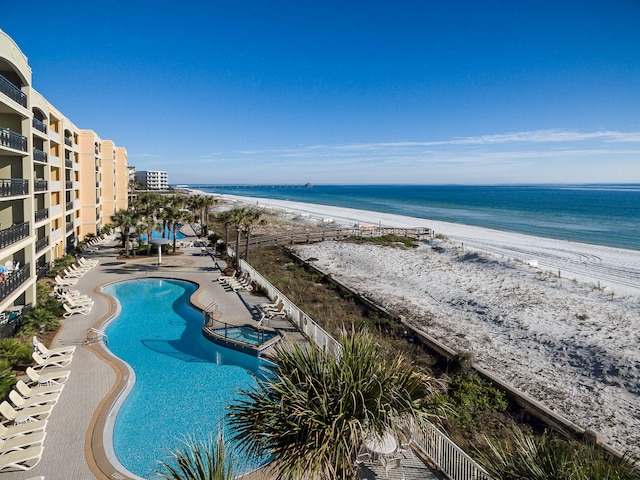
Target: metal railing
(13, 281)
(13, 92)
(11, 235)
(39, 125)
(12, 187)
(39, 155)
(42, 244)
(40, 185)
(41, 214)
(301, 320)
(11, 139)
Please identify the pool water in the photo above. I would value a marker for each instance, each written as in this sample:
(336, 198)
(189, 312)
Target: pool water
(246, 334)
(183, 381)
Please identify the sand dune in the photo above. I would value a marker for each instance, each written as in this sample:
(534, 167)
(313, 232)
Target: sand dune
(559, 320)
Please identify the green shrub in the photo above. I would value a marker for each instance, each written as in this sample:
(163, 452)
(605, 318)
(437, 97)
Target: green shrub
(15, 352)
(7, 378)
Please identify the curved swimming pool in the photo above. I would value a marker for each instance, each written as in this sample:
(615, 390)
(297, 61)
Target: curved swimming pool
(183, 382)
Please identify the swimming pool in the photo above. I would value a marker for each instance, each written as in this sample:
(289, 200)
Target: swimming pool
(183, 382)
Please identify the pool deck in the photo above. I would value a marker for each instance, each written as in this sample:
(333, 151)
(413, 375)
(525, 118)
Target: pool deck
(74, 447)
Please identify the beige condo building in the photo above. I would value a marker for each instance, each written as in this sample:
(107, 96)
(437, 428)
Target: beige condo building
(58, 182)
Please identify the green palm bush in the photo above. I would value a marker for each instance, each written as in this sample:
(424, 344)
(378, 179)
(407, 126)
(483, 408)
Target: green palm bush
(312, 414)
(199, 459)
(552, 457)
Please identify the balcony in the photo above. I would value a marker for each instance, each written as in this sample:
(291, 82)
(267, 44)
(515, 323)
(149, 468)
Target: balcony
(11, 139)
(39, 155)
(41, 244)
(68, 142)
(39, 125)
(13, 92)
(40, 185)
(13, 187)
(68, 185)
(42, 214)
(68, 163)
(13, 281)
(11, 235)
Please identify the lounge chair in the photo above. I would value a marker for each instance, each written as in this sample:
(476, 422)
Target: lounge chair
(57, 376)
(10, 413)
(65, 282)
(21, 460)
(60, 361)
(49, 352)
(21, 442)
(27, 391)
(73, 310)
(22, 428)
(21, 403)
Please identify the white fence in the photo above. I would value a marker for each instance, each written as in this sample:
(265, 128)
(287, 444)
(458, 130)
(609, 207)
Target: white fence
(446, 455)
(301, 320)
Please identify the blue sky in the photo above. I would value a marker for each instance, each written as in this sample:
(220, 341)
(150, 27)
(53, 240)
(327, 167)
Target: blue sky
(420, 92)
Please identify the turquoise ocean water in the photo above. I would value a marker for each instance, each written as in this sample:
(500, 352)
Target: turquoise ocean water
(598, 214)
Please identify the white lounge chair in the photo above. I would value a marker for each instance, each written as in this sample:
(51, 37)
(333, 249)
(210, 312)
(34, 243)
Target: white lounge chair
(73, 310)
(65, 282)
(46, 378)
(22, 428)
(48, 352)
(26, 391)
(60, 361)
(21, 460)
(21, 403)
(21, 442)
(10, 413)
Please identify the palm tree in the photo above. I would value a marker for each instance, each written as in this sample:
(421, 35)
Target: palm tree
(199, 460)
(124, 220)
(251, 219)
(314, 411)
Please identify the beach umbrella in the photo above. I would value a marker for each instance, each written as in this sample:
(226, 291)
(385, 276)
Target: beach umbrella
(159, 242)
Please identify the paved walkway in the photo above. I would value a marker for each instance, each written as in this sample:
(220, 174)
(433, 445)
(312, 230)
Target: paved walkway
(74, 447)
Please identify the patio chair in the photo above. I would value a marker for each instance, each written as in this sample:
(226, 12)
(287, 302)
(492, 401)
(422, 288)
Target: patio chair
(26, 391)
(21, 459)
(390, 463)
(21, 403)
(48, 352)
(21, 442)
(75, 310)
(60, 361)
(46, 378)
(65, 282)
(22, 428)
(10, 413)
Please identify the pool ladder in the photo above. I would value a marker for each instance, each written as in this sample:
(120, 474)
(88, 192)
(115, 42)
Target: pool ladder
(94, 335)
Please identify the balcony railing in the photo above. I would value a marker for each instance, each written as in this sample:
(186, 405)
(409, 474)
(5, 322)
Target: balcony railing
(68, 185)
(11, 187)
(13, 92)
(68, 142)
(13, 281)
(42, 243)
(39, 125)
(68, 163)
(39, 155)
(11, 235)
(11, 139)
(40, 185)
(42, 214)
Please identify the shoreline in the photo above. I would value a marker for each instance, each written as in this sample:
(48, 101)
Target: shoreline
(611, 269)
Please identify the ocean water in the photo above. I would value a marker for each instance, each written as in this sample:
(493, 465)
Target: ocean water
(604, 214)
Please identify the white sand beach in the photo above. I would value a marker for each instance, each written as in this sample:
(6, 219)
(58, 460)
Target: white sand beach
(570, 341)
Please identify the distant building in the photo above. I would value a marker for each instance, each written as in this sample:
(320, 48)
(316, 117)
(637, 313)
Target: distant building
(153, 179)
